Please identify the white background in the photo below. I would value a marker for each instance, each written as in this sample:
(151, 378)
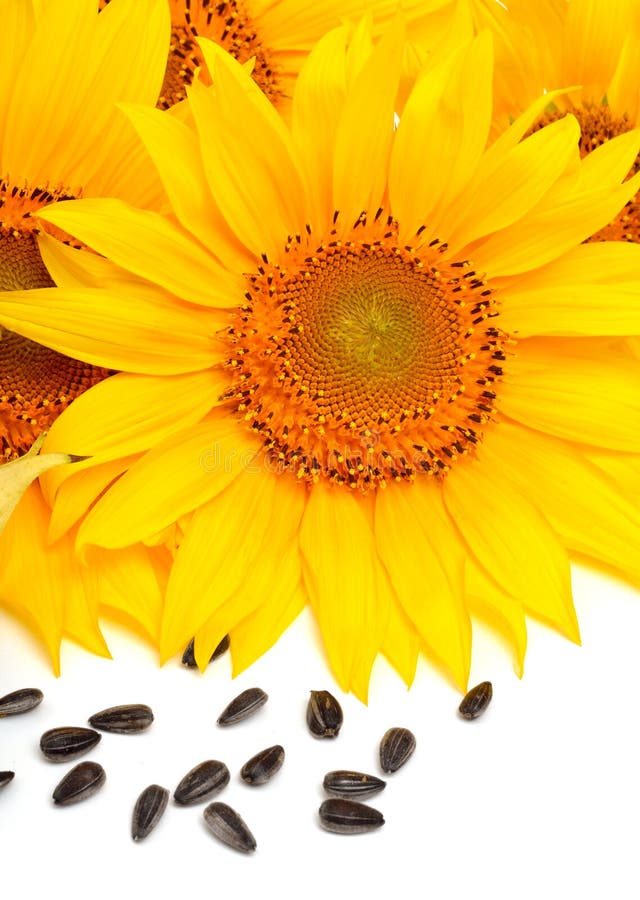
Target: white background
(538, 798)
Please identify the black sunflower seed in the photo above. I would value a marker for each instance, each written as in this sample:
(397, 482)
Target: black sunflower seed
(128, 719)
(189, 659)
(225, 823)
(67, 743)
(80, 783)
(204, 780)
(324, 714)
(242, 706)
(263, 766)
(20, 701)
(396, 747)
(349, 816)
(6, 777)
(148, 811)
(476, 701)
(342, 783)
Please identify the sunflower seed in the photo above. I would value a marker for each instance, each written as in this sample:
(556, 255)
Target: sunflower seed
(204, 780)
(63, 744)
(324, 714)
(396, 747)
(225, 823)
(6, 777)
(244, 705)
(476, 701)
(263, 766)
(80, 783)
(349, 816)
(128, 719)
(189, 659)
(20, 701)
(148, 811)
(343, 783)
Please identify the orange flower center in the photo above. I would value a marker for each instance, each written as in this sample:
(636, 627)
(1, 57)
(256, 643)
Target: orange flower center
(364, 361)
(36, 383)
(598, 126)
(230, 26)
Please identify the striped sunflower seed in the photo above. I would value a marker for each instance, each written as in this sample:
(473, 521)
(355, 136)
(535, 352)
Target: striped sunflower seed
(343, 783)
(127, 719)
(324, 714)
(80, 783)
(67, 743)
(202, 782)
(476, 701)
(349, 816)
(20, 701)
(189, 658)
(148, 811)
(243, 706)
(6, 777)
(263, 766)
(225, 823)
(396, 747)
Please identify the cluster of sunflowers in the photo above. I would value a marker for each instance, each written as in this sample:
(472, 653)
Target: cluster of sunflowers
(334, 304)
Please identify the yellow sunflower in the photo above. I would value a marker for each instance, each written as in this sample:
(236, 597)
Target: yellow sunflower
(387, 350)
(63, 68)
(593, 48)
(274, 36)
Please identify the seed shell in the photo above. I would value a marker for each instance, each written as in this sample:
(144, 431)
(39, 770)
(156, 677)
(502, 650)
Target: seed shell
(80, 783)
(396, 747)
(343, 783)
(349, 816)
(21, 701)
(243, 706)
(324, 714)
(263, 766)
(225, 823)
(67, 743)
(202, 782)
(189, 659)
(128, 719)
(476, 701)
(148, 811)
(6, 777)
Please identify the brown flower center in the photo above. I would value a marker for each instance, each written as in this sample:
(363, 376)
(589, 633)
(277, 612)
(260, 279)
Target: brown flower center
(364, 361)
(598, 126)
(230, 26)
(36, 383)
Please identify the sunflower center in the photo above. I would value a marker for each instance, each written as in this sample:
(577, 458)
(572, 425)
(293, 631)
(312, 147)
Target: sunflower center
(597, 126)
(36, 383)
(364, 361)
(229, 25)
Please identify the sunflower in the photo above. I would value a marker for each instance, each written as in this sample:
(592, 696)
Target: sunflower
(275, 36)
(63, 68)
(387, 350)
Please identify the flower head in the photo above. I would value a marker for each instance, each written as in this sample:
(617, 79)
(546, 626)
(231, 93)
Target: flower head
(357, 372)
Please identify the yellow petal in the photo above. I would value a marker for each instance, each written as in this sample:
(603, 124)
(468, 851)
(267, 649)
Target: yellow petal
(142, 241)
(424, 559)
(512, 541)
(138, 330)
(225, 538)
(174, 477)
(591, 290)
(594, 513)
(365, 131)
(128, 414)
(338, 551)
(576, 389)
(486, 599)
